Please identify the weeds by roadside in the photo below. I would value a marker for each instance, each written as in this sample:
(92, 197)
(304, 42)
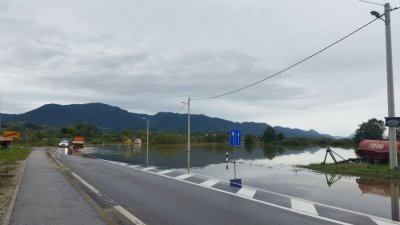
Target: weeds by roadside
(355, 169)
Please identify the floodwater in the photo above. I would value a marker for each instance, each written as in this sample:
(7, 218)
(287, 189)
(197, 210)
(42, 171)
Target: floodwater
(270, 169)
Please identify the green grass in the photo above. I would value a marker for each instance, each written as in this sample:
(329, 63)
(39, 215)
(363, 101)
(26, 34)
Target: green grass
(355, 169)
(11, 156)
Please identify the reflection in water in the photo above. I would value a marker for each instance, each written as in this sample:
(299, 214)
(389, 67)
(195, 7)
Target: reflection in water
(271, 151)
(72, 151)
(384, 188)
(332, 178)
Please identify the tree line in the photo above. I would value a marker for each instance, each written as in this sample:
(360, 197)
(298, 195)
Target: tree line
(44, 135)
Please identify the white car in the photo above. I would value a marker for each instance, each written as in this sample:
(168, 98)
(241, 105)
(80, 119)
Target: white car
(64, 143)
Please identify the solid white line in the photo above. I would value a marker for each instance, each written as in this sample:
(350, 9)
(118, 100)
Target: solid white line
(256, 200)
(133, 166)
(128, 215)
(86, 183)
(210, 182)
(184, 176)
(265, 203)
(303, 206)
(383, 222)
(165, 171)
(149, 168)
(247, 192)
(375, 218)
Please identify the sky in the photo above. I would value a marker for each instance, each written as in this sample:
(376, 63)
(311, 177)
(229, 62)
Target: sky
(149, 56)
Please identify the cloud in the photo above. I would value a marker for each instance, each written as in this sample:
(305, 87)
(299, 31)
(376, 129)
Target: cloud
(149, 56)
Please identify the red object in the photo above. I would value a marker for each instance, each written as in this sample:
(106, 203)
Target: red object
(78, 142)
(375, 150)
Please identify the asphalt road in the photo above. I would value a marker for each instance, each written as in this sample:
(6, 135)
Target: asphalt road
(158, 199)
(45, 197)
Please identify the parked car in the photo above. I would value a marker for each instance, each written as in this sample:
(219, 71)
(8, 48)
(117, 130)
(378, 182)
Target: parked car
(64, 143)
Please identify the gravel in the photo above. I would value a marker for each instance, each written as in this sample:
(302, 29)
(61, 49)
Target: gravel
(7, 187)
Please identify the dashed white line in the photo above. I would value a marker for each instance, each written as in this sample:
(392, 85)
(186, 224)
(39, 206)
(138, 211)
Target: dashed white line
(210, 182)
(86, 183)
(303, 206)
(184, 176)
(383, 222)
(149, 168)
(247, 192)
(128, 215)
(165, 172)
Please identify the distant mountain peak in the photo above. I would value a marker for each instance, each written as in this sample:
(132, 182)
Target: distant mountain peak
(115, 118)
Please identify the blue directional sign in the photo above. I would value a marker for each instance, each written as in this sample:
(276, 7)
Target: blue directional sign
(235, 137)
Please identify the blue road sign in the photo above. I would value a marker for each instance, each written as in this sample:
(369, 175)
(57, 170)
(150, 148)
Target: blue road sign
(235, 137)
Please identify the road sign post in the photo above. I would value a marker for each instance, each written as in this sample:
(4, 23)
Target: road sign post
(235, 140)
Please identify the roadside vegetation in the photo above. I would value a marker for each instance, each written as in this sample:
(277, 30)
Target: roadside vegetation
(355, 169)
(8, 164)
(43, 135)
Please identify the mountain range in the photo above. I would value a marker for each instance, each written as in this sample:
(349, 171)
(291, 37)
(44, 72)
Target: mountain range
(114, 118)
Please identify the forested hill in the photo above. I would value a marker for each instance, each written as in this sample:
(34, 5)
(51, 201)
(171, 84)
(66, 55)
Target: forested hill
(115, 118)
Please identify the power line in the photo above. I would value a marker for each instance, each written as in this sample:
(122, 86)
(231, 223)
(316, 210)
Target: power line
(374, 3)
(289, 67)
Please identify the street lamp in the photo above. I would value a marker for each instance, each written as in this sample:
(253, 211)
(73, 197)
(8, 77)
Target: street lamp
(389, 69)
(147, 143)
(188, 146)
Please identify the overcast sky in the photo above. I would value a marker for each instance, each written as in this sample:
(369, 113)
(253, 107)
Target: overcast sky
(148, 56)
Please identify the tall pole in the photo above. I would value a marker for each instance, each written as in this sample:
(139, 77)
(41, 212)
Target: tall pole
(188, 147)
(391, 108)
(147, 144)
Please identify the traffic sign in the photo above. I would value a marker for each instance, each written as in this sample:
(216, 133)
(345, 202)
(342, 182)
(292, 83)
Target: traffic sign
(11, 134)
(235, 137)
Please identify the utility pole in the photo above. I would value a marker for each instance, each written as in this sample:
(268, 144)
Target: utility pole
(188, 147)
(147, 144)
(391, 108)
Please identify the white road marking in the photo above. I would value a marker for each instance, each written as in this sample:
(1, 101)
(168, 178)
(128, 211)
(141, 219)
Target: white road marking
(383, 222)
(133, 166)
(123, 164)
(149, 168)
(376, 219)
(128, 215)
(184, 176)
(247, 192)
(86, 184)
(165, 172)
(303, 206)
(210, 182)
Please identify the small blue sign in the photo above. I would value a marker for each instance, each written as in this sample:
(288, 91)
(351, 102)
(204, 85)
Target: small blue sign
(235, 137)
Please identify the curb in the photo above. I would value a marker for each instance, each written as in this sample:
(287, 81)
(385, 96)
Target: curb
(7, 217)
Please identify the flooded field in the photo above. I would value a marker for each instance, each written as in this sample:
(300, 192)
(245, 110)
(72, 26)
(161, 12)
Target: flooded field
(270, 169)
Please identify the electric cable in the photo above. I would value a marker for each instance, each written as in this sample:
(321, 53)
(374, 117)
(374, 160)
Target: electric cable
(369, 2)
(291, 66)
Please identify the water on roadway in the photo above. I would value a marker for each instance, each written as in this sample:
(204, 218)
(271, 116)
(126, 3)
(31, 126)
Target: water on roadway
(268, 169)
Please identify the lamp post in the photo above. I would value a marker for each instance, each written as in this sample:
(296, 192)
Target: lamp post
(389, 69)
(147, 143)
(188, 151)
(188, 138)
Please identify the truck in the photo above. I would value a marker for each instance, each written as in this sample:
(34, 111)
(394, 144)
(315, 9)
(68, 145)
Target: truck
(78, 142)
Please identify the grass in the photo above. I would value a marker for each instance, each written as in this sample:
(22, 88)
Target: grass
(8, 161)
(355, 169)
(11, 156)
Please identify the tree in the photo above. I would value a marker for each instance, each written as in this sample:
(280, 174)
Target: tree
(372, 129)
(280, 136)
(398, 133)
(269, 135)
(249, 139)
